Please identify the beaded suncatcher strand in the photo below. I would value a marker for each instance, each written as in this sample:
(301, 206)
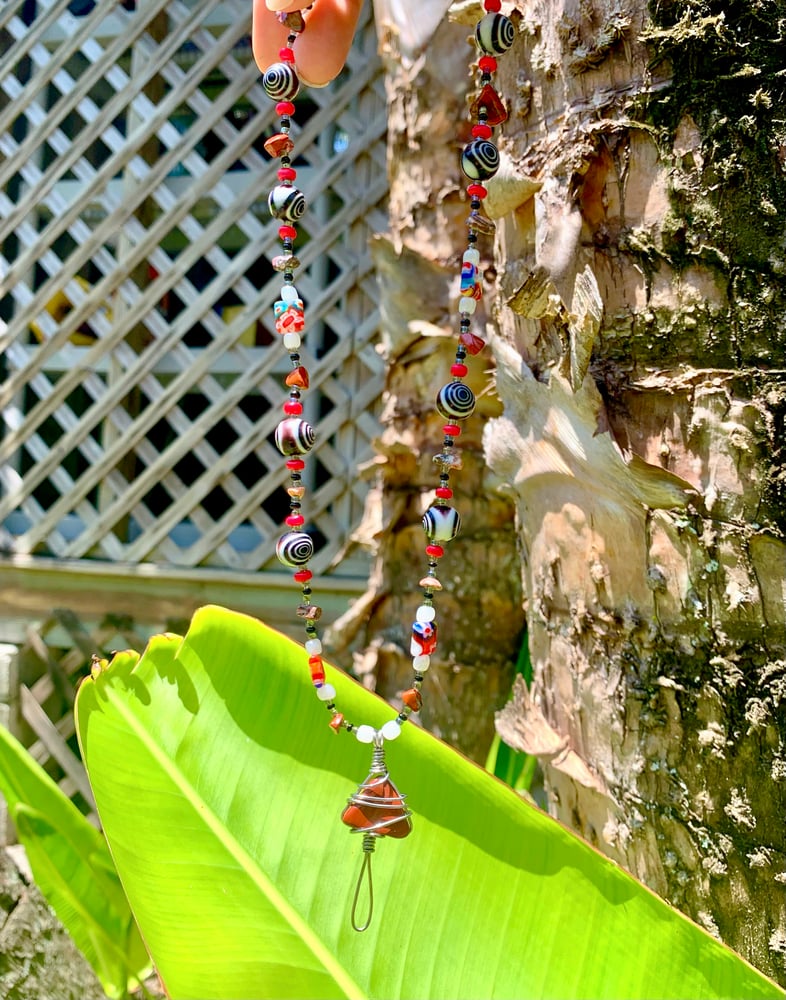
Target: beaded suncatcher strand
(378, 809)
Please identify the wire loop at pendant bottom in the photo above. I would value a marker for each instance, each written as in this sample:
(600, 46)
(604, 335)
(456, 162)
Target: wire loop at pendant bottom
(365, 871)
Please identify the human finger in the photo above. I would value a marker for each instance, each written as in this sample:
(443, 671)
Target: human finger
(322, 48)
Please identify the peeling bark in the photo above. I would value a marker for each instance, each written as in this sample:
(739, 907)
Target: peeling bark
(649, 490)
(637, 325)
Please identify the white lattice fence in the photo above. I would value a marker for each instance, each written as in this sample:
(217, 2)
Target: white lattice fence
(141, 373)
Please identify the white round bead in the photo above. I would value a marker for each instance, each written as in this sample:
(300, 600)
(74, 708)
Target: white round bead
(391, 730)
(425, 613)
(365, 734)
(472, 256)
(313, 646)
(421, 663)
(467, 305)
(289, 294)
(326, 693)
(291, 341)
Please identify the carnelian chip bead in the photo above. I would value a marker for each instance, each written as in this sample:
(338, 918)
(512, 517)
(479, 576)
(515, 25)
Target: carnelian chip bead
(412, 699)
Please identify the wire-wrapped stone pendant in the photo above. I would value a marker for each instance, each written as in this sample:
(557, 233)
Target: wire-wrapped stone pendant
(377, 809)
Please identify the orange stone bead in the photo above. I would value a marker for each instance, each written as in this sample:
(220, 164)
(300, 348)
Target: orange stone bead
(279, 144)
(391, 814)
(336, 722)
(412, 699)
(298, 377)
(489, 99)
(472, 342)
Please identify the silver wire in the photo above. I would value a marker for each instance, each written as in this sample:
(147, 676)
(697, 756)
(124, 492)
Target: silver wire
(365, 869)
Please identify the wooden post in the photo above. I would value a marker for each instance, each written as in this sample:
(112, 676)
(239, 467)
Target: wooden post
(9, 717)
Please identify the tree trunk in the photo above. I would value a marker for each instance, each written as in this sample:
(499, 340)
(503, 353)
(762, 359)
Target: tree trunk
(637, 328)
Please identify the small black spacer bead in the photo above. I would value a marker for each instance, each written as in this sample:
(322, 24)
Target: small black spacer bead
(348, 726)
(485, 77)
(447, 443)
(311, 629)
(289, 277)
(331, 705)
(472, 238)
(295, 477)
(294, 394)
(285, 122)
(285, 161)
(475, 205)
(419, 677)
(402, 717)
(294, 504)
(428, 596)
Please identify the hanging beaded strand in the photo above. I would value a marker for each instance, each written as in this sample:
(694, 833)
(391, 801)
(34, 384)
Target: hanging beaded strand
(377, 809)
(494, 34)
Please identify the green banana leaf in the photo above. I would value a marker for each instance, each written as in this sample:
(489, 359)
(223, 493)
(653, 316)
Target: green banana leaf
(220, 784)
(73, 869)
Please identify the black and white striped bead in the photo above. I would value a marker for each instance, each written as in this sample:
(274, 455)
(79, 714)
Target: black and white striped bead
(294, 436)
(441, 523)
(495, 34)
(295, 548)
(455, 401)
(286, 202)
(480, 160)
(280, 81)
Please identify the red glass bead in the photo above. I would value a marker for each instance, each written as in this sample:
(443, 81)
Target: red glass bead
(482, 131)
(285, 108)
(452, 430)
(444, 492)
(286, 55)
(487, 64)
(287, 232)
(317, 669)
(436, 551)
(336, 722)
(295, 520)
(296, 464)
(493, 5)
(458, 370)
(302, 576)
(287, 174)
(293, 408)
(412, 699)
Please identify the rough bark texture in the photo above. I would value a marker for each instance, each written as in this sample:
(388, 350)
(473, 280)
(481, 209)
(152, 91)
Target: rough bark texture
(638, 334)
(640, 357)
(479, 611)
(38, 960)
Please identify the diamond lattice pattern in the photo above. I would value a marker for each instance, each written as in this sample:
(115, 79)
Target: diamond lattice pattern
(141, 374)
